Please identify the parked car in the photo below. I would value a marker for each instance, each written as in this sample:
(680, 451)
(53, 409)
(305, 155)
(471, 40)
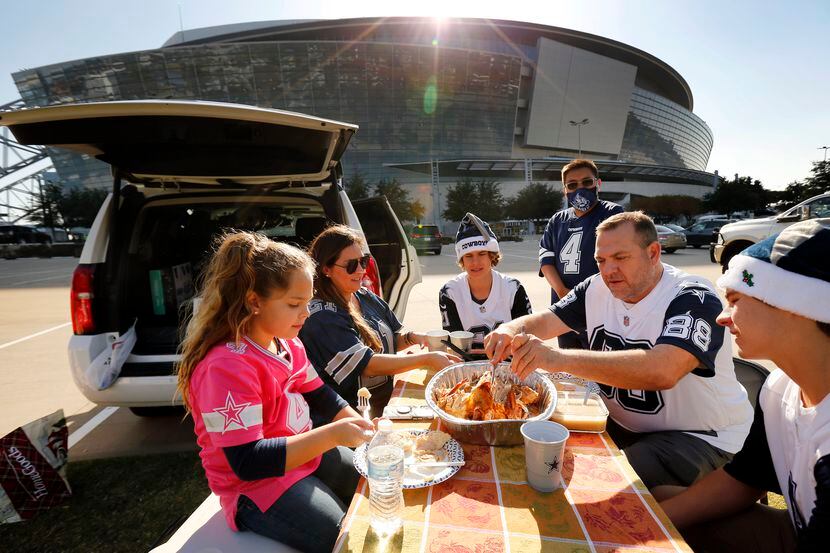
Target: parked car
(426, 238)
(184, 172)
(20, 234)
(676, 228)
(703, 233)
(737, 236)
(670, 240)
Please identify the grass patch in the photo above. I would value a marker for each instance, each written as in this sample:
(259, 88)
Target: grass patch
(775, 500)
(121, 504)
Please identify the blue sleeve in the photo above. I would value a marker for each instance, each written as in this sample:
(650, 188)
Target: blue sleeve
(752, 465)
(816, 535)
(450, 320)
(547, 245)
(521, 304)
(325, 402)
(690, 324)
(334, 348)
(571, 308)
(256, 460)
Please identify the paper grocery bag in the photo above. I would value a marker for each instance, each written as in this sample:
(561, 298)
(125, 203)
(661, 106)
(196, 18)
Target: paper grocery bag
(33, 468)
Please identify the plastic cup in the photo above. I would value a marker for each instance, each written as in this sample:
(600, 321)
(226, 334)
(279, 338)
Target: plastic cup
(544, 454)
(462, 339)
(434, 338)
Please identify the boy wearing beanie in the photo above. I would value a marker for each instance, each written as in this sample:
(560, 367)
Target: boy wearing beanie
(778, 293)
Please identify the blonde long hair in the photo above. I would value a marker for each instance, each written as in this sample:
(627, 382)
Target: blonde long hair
(325, 249)
(243, 262)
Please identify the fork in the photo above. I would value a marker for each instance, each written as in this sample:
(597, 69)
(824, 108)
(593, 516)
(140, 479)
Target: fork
(363, 406)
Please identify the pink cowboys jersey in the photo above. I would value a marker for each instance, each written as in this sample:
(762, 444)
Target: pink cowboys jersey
(242, 393)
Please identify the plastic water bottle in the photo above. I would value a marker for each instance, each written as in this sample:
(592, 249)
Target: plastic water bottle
(385, 469)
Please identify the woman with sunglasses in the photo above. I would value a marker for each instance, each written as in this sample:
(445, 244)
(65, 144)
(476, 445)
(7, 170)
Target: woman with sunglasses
(352, 335)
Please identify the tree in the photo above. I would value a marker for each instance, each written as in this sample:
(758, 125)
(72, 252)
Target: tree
(484, 198)
(459, 198)
(67, 208)
(398, 197)
(356, 187)
(46, 206)
(669, 206)
(739, 194)
(796, 192)
(535, 201)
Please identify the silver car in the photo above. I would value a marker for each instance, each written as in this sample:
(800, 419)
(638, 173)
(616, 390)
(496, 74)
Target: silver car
(670, 240)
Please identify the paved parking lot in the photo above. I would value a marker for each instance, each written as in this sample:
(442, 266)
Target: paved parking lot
(35, 328)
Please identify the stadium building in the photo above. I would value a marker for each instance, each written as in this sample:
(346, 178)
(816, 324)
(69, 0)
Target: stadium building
(436, 100)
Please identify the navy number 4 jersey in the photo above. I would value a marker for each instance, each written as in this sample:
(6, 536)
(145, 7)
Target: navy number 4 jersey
(569, 241)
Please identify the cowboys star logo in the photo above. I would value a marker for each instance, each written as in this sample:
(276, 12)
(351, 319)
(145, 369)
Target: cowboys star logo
(696, 289)
(553, 465)
(232, 413)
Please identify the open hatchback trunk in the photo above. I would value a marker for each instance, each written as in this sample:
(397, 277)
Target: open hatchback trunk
(183, 173)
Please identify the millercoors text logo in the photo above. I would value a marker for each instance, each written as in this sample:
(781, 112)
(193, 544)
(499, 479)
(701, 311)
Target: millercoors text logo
(28, 469)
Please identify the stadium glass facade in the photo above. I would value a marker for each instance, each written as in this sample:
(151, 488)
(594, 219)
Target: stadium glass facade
(414, 97)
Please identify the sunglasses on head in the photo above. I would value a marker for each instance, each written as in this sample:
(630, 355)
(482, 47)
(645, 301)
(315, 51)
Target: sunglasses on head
(351, 264)
(584, 183)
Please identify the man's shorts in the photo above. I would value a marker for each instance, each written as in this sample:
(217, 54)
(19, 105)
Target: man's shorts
(671, 457)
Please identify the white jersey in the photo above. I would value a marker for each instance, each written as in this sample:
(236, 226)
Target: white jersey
(459, 311)
(709, 402)
(799, 443)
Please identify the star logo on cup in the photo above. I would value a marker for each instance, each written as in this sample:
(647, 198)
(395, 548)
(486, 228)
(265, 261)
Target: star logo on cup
(232, 413)
(553, 465)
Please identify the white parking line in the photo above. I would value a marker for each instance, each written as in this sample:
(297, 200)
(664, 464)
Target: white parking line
(15, 275)
(35, 335)
(90, 425)
(64, 275)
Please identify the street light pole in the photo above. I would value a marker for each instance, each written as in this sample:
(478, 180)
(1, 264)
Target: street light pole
(825, 148)
(578, 125)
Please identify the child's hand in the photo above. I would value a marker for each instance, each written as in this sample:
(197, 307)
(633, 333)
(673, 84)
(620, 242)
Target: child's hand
(352, 431)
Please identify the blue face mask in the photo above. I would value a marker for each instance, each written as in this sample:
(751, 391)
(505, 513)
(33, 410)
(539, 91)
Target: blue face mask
(583, 199)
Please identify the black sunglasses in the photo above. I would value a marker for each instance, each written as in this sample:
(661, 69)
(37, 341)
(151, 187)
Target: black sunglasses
(351, 265)
(584, 183)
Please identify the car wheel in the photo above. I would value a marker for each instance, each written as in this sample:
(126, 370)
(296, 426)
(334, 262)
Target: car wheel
(165, 411)
(696, 246)
(671, 250)
(437, 251)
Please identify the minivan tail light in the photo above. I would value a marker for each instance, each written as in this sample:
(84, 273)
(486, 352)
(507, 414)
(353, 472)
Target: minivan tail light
(80, 300)
(371, 278)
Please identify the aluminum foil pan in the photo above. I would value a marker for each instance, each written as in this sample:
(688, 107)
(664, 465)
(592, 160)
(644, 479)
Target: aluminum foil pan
(495, 432)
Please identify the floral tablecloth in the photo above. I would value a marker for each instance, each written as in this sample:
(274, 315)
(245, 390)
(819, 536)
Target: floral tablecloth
(489, 507)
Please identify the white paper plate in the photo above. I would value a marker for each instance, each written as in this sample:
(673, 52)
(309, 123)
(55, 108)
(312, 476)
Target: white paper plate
(419, 477)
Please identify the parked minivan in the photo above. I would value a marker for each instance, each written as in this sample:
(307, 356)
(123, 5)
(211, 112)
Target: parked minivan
(184, 172)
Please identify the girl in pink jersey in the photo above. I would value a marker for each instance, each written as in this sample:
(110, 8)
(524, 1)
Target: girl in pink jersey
(245, 378)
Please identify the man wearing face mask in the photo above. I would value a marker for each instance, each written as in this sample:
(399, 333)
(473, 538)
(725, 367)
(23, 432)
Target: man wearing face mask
(566, 251)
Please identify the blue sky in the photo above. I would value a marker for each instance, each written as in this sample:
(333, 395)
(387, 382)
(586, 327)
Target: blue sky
(758, 70)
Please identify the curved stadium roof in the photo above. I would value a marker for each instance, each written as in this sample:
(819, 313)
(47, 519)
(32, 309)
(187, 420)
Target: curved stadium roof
(652, 73)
